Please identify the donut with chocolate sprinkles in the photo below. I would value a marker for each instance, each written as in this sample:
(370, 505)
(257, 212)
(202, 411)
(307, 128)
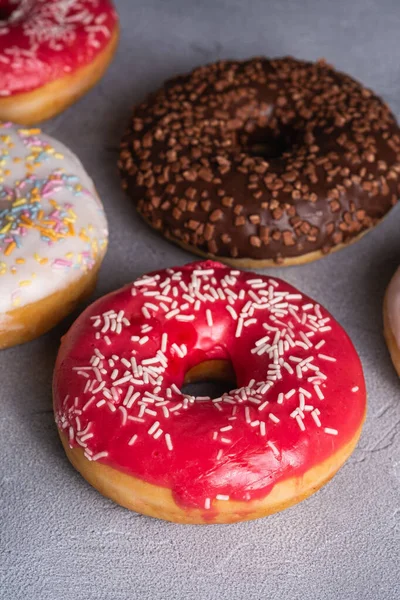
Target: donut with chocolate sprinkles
(262, 162)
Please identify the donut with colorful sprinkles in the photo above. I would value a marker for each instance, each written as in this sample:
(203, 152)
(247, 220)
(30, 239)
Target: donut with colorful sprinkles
(291, 419)
(262, 162)
(51, 53)
(53, 233)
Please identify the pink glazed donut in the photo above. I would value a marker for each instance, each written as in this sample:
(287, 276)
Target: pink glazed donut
(51, 53)
(293, 415)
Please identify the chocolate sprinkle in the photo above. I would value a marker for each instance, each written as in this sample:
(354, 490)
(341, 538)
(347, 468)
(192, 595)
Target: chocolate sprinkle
(262, 159)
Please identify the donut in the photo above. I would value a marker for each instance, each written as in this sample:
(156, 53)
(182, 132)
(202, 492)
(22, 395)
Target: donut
(53, 233)
(292, 416)
(51, 53)
(262, 162)
(391, 319)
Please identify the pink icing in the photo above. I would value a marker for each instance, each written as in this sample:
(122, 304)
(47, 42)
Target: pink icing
(43, 40)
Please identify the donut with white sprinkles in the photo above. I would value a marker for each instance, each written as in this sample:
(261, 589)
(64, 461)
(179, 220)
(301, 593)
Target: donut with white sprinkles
(51, 53)
(262, 162)
(292, 418)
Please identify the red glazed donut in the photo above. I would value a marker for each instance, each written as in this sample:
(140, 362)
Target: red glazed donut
(51, 53)
(292, 420)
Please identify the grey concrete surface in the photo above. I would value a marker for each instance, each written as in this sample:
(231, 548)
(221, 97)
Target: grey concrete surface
(59, 539)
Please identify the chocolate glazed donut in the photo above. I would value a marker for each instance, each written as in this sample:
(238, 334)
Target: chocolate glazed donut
(262, 162)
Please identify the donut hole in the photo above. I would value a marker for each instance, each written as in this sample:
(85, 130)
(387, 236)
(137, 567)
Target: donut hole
(7, 9)
(268, 143)
(210, 378)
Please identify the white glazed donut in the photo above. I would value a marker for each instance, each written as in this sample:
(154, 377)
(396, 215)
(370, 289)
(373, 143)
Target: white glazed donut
(53, 233)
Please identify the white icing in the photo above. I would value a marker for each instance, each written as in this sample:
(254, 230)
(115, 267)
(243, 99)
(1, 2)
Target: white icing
(41, 266)
(393, 305)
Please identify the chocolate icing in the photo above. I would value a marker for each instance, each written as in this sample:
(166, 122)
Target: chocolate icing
(262, 159)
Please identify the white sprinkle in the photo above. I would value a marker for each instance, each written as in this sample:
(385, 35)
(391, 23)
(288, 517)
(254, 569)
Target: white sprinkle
(273, 448)
(263, 430)
(273, 282)
(262, 341)
(239, 327)
(145, 281)
(265, 387)
(263, 405)
(146, 312)
(319, 345)
(122, 380)
(168, 441)
(207, 503)
(305, 392)
(154, 427)
(305, 339)
(209, 317)
(133, 439)
(226, 428)
(164, 342)
(100, 455)
(178, 350)
(307, 306)
(185, 318)
(295, 359)
(355, 388)
(100, 403)
(273, 418)
(151, 306)
(143, 340)
(326, 357)
(221, 497)
(132, 400)
(88, 403)
(316, 418)
(318, 391)
(172, 313)
(203, 272)
(124, 414)
(300, 423)
(83, 374)
(330, 431)
(148, 411)
(249, 322)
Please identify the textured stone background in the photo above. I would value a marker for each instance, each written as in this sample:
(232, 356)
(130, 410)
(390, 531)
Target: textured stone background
(60, 538)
